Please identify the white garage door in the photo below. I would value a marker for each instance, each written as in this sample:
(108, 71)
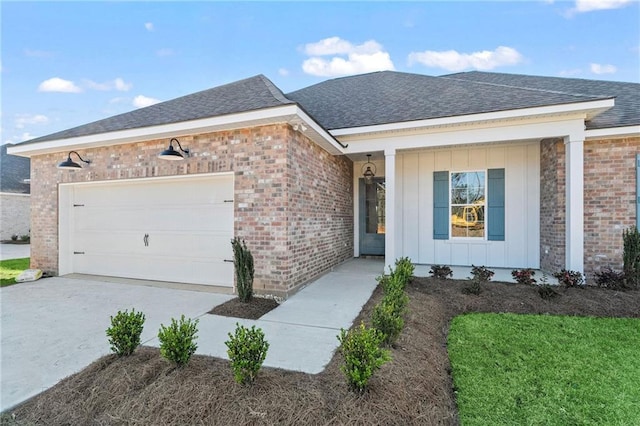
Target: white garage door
(176, 229)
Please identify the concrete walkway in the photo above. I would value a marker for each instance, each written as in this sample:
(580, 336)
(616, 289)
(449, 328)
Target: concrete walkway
(14, 251)
(54, 327)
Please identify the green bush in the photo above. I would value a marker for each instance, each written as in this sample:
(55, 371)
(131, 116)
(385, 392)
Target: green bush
(481, 273)
(631, 256)
(177, 341)
(404, 269)
(363, 355)
(124, 333)
(441, 271)
(243, 263)
(388, 321)
(247, 350)
(569, 278)
(473, 287)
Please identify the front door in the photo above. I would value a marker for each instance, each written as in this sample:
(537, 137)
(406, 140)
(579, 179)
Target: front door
(372, 225)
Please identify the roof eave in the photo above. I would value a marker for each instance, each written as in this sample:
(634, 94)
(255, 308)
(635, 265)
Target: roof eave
(291, 113)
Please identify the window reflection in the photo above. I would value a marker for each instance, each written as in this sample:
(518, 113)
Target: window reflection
(468, 204)
(374, 208)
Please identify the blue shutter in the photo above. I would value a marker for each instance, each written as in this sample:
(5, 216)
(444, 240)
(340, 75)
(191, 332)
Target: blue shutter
(495, 205)
(440, 205)
(638, 191)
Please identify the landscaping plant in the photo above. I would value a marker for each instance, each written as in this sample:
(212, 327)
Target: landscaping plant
(243, 264)
(613, 280)
(363, 355)
(481, 273)
(247, 350)
(404, 269)
(631, 256)
(177, 341)
(124, 333)
(441, 271)
(388, 321)
(524, 276)
(569, 278)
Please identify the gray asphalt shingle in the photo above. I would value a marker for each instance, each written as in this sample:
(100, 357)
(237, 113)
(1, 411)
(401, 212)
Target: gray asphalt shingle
(14, 171)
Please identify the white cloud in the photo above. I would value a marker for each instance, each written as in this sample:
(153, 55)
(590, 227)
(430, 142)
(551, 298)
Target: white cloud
(603, 68)
(355, 59)
(591, 5)
(26, 136)
(452, 60)
(142, 101)
(165, 52)
(57, 84)
(149, 26)
(26, 119)
(283, 72)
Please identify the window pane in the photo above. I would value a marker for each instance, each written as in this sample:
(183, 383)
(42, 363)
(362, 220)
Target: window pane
(467, 204)
(374, 208)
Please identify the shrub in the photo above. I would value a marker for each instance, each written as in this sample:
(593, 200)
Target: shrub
(177, 341)
(124, 333)
(481, 273)
(631, 256)
(614, 280)
(524, 276)
(404, 269)
(546, 291)
(388, 321)
(25, 237)
(441, 271)
(570, 278)
(473, 287)
(14, 237)
(363, 355)
(243, 263)
(247, 350)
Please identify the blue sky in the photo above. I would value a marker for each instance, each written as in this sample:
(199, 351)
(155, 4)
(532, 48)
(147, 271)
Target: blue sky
(66, 64)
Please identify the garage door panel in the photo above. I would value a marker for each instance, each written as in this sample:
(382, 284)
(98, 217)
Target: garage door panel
(188, 224)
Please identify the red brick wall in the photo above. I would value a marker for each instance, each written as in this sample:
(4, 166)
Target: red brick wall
(609, 200)
(268, 162)
(552, 205)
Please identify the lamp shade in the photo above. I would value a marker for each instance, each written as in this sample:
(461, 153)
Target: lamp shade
(68, 164)
(170, 154)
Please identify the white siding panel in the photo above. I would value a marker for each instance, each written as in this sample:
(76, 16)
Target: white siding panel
(410, 196)
(425, 207)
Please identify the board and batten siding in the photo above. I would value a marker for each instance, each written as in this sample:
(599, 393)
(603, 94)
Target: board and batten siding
(415, 209)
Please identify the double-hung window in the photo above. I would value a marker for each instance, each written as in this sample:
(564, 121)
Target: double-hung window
(469, 204)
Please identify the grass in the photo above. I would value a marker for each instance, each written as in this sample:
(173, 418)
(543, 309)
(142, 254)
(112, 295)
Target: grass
(10, 269)
(545, 370)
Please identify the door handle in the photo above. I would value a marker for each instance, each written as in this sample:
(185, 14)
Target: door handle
(146, 240)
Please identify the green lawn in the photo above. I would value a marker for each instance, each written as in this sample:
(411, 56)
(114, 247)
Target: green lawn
(10, 269)
(513, 369)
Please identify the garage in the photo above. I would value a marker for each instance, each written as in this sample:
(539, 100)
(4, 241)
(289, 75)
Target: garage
(175, 229)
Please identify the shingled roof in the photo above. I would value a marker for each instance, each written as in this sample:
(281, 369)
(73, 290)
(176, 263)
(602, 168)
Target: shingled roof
(391, 97)
(245, 95)
(14, 172)
(626, 111)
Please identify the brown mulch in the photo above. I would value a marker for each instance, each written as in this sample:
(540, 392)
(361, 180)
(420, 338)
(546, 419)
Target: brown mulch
(414, 388)
(253, 310)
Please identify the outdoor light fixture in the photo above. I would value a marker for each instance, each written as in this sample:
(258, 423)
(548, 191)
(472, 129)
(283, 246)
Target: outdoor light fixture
(68, 164)
(368, 171)
(172, 154)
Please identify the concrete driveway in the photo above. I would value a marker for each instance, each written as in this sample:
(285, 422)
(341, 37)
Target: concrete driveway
(54, 327)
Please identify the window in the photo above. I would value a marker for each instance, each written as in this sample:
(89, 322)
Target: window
(467, 204)
(462, 201)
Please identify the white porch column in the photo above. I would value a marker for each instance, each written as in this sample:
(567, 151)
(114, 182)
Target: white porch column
(574, 220)
(390, 208)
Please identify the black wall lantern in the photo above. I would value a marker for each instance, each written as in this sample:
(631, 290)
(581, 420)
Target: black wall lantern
(69, 164)
(368, 171)
(171, 154)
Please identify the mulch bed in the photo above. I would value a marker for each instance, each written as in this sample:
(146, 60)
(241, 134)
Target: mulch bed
(253, 310)
(414, 388)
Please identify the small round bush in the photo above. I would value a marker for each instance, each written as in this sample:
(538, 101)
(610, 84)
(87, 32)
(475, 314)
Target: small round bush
(177, 341)
(124, 333)
(363, 355)
(247, 350)
(387, 321)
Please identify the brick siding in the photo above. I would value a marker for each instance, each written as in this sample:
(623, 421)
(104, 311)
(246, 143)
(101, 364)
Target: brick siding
(15, 214)
(292, 199)
(552, 205)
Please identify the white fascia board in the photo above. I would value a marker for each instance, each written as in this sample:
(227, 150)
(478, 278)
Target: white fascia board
(280, 114)
(520, 130)
(589, 108)
(614, 132)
